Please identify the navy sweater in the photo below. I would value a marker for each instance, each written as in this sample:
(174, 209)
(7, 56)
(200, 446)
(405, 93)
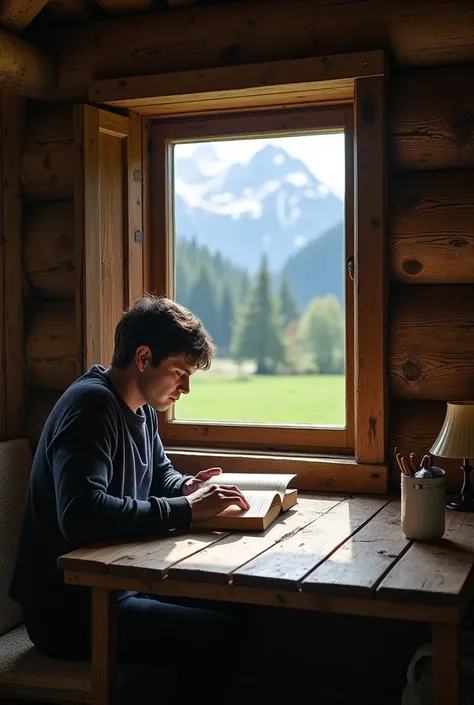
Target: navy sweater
(99, 474)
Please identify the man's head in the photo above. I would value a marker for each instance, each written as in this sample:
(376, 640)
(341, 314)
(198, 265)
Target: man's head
(161, 343)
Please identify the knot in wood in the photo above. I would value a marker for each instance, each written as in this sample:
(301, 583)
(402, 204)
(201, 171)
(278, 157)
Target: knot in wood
(411, 370)
(458, 242)
(230, 55)
(410, 202)
(412, 267)
(374, 223)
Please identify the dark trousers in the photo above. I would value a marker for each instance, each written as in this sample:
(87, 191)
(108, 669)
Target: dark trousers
(195, 647)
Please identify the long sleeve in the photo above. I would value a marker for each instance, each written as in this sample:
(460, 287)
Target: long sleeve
(167, 482)
(82, 463)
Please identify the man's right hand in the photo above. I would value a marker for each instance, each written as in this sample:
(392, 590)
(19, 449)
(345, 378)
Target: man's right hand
(208, 501)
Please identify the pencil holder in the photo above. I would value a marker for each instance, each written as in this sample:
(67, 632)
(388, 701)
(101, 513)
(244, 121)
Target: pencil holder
(423, 508)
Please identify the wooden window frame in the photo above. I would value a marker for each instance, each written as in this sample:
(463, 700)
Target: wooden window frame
(356, 80)
(165, 134)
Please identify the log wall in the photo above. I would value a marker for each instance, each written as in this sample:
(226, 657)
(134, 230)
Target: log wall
(431, 253)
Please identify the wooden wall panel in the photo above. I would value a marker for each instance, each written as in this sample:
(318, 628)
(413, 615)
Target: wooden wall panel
(47, 164)
(432, 342)
(413, 33)
(432, 118)
(12, 399)
(431, 232)
(48, 250)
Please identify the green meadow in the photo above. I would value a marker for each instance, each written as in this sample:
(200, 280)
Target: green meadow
(272, 399)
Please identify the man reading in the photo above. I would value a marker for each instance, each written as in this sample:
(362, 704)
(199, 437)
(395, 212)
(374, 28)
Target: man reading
(100, 474)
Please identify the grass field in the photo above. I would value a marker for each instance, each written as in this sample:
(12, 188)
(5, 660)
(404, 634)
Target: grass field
(275, 399)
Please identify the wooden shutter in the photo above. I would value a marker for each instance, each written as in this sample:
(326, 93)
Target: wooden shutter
(108, 220)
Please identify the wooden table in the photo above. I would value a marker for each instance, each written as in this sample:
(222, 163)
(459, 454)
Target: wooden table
(338, 554)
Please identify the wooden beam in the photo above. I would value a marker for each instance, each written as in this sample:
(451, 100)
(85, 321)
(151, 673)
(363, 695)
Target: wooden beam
(16, 15)
(123, 7)
(425, 33)
(301, 81)
(11, 120)
(24, 69)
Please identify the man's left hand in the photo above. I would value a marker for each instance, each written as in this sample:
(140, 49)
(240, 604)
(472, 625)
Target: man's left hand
(192, 485)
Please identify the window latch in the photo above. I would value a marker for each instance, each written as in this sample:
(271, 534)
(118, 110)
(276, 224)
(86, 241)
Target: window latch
(350, 266)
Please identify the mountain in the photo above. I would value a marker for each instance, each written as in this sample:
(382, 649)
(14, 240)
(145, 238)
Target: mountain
(271, 204)
(318, 268)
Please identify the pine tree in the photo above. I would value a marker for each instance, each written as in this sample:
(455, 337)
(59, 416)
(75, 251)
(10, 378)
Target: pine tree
(227, 313)
(258, 334)
(202, 301)
(288, 305)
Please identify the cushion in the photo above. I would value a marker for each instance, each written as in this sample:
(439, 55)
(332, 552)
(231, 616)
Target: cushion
(15, 466)
(26, 673)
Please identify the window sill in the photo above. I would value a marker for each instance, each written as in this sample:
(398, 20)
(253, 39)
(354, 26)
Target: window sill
(331, 474)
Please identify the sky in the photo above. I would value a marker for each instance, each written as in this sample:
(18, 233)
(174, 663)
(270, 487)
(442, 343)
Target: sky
(322, 154)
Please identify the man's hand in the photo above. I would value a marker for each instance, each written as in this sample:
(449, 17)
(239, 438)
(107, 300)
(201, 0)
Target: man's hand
(210, 500)
(192, 485)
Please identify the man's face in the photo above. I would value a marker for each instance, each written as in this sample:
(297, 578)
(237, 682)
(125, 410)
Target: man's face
(162, 386)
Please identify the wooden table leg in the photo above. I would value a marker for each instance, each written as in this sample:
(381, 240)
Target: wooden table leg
(446, 663)
(104, 647)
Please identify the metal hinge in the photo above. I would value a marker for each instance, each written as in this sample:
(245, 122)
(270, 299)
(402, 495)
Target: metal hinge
(350, 266)
(137, 175)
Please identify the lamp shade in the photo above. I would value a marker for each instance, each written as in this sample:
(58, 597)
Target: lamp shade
(456, 438)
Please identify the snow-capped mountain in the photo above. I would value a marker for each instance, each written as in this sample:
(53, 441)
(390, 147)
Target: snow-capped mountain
(271, 204)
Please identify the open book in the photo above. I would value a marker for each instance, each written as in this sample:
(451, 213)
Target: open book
(268, 495)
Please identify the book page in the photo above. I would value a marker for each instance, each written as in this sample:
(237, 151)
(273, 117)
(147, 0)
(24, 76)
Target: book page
(253, 481)
(260, 502)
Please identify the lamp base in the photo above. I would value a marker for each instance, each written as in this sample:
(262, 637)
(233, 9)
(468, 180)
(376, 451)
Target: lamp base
(461, 505)
(465, 502)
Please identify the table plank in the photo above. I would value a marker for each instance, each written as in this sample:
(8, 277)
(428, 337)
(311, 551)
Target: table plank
(288, 562)
(437, 571)
(155, 554)
(215, 563)
(357, 566)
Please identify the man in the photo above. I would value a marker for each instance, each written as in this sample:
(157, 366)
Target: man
(100, 473)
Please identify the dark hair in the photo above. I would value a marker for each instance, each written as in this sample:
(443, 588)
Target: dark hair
(167, 328)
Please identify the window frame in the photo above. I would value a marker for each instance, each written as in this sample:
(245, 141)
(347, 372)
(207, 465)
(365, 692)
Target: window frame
(167, 133)
(358, 79)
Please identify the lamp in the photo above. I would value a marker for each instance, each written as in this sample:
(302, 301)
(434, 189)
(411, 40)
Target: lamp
(456, 440)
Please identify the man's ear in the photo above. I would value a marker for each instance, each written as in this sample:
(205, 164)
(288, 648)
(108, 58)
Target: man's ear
(143, 357)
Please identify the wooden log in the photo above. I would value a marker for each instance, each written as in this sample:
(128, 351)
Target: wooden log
(432, 118)
(24, 68)
(39, 405)
(48, 250)
(431, 347)
(51, 347)
(16, 15)
(413, 34)
(431, 232)
(48, 153)
(414, 426)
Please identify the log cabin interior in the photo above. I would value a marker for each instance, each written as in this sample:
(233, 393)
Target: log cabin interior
(91, 94)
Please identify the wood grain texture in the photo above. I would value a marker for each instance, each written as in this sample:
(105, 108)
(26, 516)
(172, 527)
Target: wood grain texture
(16, 15)
(414, 426)
(446, 665)
(24, 68)
(48, 250)
(50, 346)
(217, 563)
(287, 563)
(124, 7)
(104, 648)
(432, 119)
(370, 278)
(434, 572)
(431, 231)
(12, 122)
(47, 164)
(313, 472)
(3, 415)
(432, 342)
(358, 565)
(413, 34)
(134, 225)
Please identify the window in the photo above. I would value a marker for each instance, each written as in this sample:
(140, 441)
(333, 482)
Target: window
(257, 246)
(253, 110)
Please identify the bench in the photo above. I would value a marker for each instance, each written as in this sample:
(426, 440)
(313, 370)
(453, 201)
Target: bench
(24, 673)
